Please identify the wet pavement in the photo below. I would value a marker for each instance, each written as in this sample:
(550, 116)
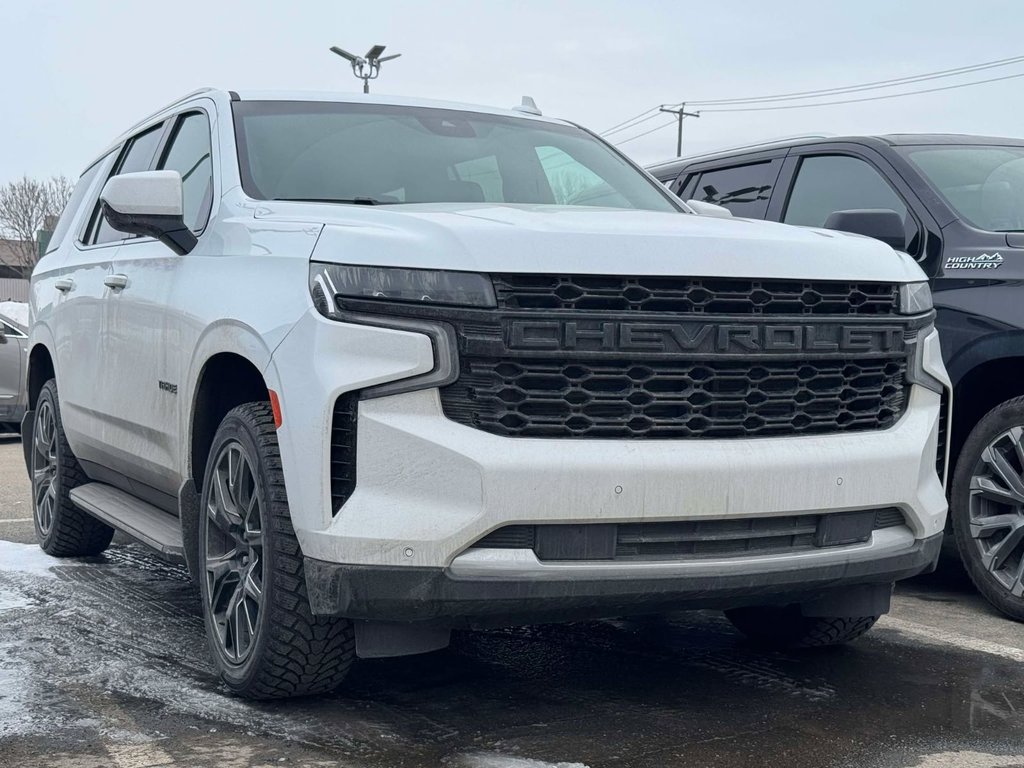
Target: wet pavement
(104, 663)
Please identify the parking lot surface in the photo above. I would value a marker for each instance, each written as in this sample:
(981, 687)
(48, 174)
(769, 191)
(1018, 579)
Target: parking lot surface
(103, 662)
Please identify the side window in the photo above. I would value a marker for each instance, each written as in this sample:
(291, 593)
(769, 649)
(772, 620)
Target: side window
(829, 183)
(74, 203)
(11, 332)
(743, 189)
(189, 154)
(138, 156)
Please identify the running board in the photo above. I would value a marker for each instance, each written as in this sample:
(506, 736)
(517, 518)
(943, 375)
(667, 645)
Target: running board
(143, 522)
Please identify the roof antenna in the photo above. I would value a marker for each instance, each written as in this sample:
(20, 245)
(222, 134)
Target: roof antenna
(367, 67)
(528, 107)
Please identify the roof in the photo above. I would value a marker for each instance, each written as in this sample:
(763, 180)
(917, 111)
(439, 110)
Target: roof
(890, 139)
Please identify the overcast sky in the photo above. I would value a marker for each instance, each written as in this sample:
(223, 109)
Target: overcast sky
(73, 75)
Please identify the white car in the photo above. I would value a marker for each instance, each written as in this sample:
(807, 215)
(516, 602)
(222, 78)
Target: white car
(13, 355)
(378, 368)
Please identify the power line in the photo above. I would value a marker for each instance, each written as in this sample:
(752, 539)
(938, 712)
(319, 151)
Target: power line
(630, 123)
(877, 84)
(652, 130)
(868, 98)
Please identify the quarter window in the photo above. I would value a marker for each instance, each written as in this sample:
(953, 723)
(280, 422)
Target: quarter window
(829, 183)
(189, 154)
(74, 203)
(743, 189)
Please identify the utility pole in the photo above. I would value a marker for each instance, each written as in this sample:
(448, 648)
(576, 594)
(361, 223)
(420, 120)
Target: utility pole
(681, 113)
(367, 67)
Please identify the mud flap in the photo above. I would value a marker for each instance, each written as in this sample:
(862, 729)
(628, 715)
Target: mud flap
(188, 513)
(385, 639)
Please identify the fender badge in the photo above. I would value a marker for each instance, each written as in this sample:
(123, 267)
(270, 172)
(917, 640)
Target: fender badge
(981, 261)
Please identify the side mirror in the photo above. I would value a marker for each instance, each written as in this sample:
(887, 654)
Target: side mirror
(148, 203)
(882, 224)
(710, 209)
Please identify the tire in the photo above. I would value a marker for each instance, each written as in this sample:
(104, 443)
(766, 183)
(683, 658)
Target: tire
(266, 642)
(989, 526)
(787, 628)
(62, 529)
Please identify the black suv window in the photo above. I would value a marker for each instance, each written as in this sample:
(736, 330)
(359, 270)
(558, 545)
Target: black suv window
(189, 155)
(743, 189)
(137, 157)
(829, 183)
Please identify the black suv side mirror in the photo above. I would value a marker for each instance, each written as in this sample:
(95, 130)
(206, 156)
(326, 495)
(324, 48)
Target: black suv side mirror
(880, 223)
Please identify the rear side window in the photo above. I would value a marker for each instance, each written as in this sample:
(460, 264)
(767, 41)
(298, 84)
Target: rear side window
(189, 154)
(138, 156)
(743, 189)
(74, 203)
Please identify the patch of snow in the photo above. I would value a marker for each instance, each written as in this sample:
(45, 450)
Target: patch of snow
(494, 760)
(25, 558)
(16, 311)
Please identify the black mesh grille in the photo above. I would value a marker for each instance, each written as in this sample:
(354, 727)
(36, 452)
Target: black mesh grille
(695, 539)
(661, 399)
(726, 296)
(343, 450)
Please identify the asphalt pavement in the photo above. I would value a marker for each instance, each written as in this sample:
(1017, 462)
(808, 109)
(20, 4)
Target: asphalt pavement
(103, 663)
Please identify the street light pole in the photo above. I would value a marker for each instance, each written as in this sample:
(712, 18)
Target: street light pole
(681, 113)
(367, 67)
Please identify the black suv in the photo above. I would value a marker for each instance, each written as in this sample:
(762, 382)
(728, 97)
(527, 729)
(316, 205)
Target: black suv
(959, 210)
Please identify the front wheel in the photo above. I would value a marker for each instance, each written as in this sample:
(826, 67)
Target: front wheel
(987, 507)
(266, 642)
(786, 627)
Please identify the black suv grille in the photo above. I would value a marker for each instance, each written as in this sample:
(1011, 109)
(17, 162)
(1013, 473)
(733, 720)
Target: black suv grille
(662, 399)
(725, 296)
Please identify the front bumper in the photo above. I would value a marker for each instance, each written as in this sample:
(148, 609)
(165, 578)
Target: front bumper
(493, 587)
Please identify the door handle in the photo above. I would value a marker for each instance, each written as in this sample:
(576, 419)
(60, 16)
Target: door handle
(64, 284)
(117, 282)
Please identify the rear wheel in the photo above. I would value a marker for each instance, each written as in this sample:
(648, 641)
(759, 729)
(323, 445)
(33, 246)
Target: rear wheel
(265, 640)
(787, 627)
(987, 507)
(62, 529)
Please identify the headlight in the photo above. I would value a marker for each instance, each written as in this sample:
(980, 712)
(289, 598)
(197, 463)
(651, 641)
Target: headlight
(426, 286)
(915, 298)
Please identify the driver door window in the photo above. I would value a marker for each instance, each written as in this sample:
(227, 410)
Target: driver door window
(829, 183)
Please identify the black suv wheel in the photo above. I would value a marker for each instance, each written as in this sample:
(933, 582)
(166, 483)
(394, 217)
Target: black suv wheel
(987, 507)
(62, 529)
(266, 642)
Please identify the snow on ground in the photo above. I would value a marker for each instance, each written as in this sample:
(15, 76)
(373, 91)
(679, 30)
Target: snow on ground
(16, 311)
(25, 558)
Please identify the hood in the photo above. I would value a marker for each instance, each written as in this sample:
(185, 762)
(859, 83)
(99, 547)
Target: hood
(485, 237)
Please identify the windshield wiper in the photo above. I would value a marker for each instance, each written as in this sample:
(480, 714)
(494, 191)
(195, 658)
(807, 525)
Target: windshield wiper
(346, 200)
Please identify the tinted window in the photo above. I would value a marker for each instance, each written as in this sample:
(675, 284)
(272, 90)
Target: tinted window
(189, 154)
(984, 185)
(743, 189)
(138, 157)
(73, 204)
(337, 152)
(830, 183)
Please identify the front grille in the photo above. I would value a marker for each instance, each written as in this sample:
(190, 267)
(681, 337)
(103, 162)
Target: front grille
(694, 539)
(725, 296)
(343, 450)
(684, 399)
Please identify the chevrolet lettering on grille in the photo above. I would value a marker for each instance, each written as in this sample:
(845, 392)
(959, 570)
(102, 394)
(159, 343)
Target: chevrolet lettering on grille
(612, 336)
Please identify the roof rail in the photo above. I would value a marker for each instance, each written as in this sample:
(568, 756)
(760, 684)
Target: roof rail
(755, 145)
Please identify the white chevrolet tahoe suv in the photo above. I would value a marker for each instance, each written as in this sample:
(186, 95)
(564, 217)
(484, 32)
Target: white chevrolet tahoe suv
(379, 368)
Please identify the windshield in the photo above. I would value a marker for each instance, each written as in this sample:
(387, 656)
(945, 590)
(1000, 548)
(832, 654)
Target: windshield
(983, 184)
(383, 154)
